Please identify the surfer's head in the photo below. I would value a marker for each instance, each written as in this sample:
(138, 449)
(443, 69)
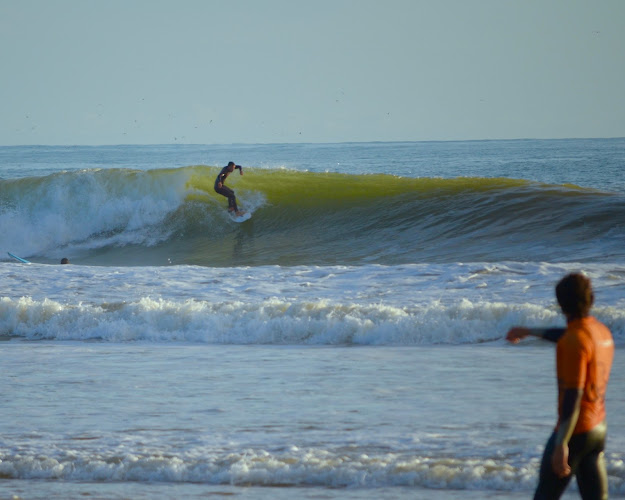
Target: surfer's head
(575, 295)
(64, 260)
(231, 166)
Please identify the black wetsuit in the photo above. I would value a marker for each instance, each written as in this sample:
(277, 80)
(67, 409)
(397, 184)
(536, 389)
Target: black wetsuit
(226, 191)
(553, 334)
(587, 464)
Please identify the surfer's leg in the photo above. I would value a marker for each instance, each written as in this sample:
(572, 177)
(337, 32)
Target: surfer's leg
(588, 462)
(592, 477)
(228, 193)
(232, 202)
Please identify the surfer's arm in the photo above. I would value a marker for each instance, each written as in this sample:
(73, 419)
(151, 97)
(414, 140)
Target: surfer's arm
(240, 169)
(571, 403)
(519, 332)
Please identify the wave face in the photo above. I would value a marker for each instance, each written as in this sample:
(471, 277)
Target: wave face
(165, 216)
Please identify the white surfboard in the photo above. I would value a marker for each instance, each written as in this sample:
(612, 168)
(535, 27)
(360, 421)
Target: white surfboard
(240, 218)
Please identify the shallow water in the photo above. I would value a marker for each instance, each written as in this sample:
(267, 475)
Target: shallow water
(354, 421)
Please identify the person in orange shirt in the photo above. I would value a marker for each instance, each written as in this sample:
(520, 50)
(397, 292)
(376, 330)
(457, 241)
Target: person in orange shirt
(584, 354)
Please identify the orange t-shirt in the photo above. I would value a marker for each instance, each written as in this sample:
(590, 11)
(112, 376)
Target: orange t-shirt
(583, 361)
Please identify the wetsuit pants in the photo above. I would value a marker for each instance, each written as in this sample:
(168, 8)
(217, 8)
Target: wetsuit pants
(587, 464)
(228, 193)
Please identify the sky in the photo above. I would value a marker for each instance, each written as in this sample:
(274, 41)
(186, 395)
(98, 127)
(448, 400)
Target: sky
(96, 72)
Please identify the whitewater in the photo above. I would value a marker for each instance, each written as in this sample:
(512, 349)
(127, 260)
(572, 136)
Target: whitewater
(346, 341)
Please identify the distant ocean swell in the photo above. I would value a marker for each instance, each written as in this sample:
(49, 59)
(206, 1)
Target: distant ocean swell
(159, 217)
(277, 321)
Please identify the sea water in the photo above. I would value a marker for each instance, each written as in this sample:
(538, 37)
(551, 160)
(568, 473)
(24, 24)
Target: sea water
(345, 342)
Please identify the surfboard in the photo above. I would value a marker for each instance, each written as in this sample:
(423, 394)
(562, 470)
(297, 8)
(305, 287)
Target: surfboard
(241, 218)
(18, 258)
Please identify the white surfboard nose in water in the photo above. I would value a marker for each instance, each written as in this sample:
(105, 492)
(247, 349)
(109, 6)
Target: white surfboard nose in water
(242, 217)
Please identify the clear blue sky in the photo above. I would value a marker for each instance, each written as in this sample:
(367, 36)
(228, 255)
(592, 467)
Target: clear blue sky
(266, 71)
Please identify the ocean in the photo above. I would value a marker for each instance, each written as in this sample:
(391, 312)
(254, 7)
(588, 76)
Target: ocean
(346, 342)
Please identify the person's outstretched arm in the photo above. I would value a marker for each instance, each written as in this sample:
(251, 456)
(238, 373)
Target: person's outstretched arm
(516, 333)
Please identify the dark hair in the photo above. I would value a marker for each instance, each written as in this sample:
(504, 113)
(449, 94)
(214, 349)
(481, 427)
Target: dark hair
(64, 260)
(575, 295)
(231, 163)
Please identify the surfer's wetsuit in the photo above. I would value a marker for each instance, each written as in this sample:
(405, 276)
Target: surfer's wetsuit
(226, 191)
(584, 357)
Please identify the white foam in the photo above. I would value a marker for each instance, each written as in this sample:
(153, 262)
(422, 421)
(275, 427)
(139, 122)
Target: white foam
(258, 467)
(293, 466)
(373, 305)
(273, 321)
(91, 209)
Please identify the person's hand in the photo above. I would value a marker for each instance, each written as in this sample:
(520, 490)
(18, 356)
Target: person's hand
(219, 185)
(241, 171)
(515, 334)
(560, 461)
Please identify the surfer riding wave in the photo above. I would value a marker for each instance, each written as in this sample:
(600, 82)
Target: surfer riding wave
(226, 191)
